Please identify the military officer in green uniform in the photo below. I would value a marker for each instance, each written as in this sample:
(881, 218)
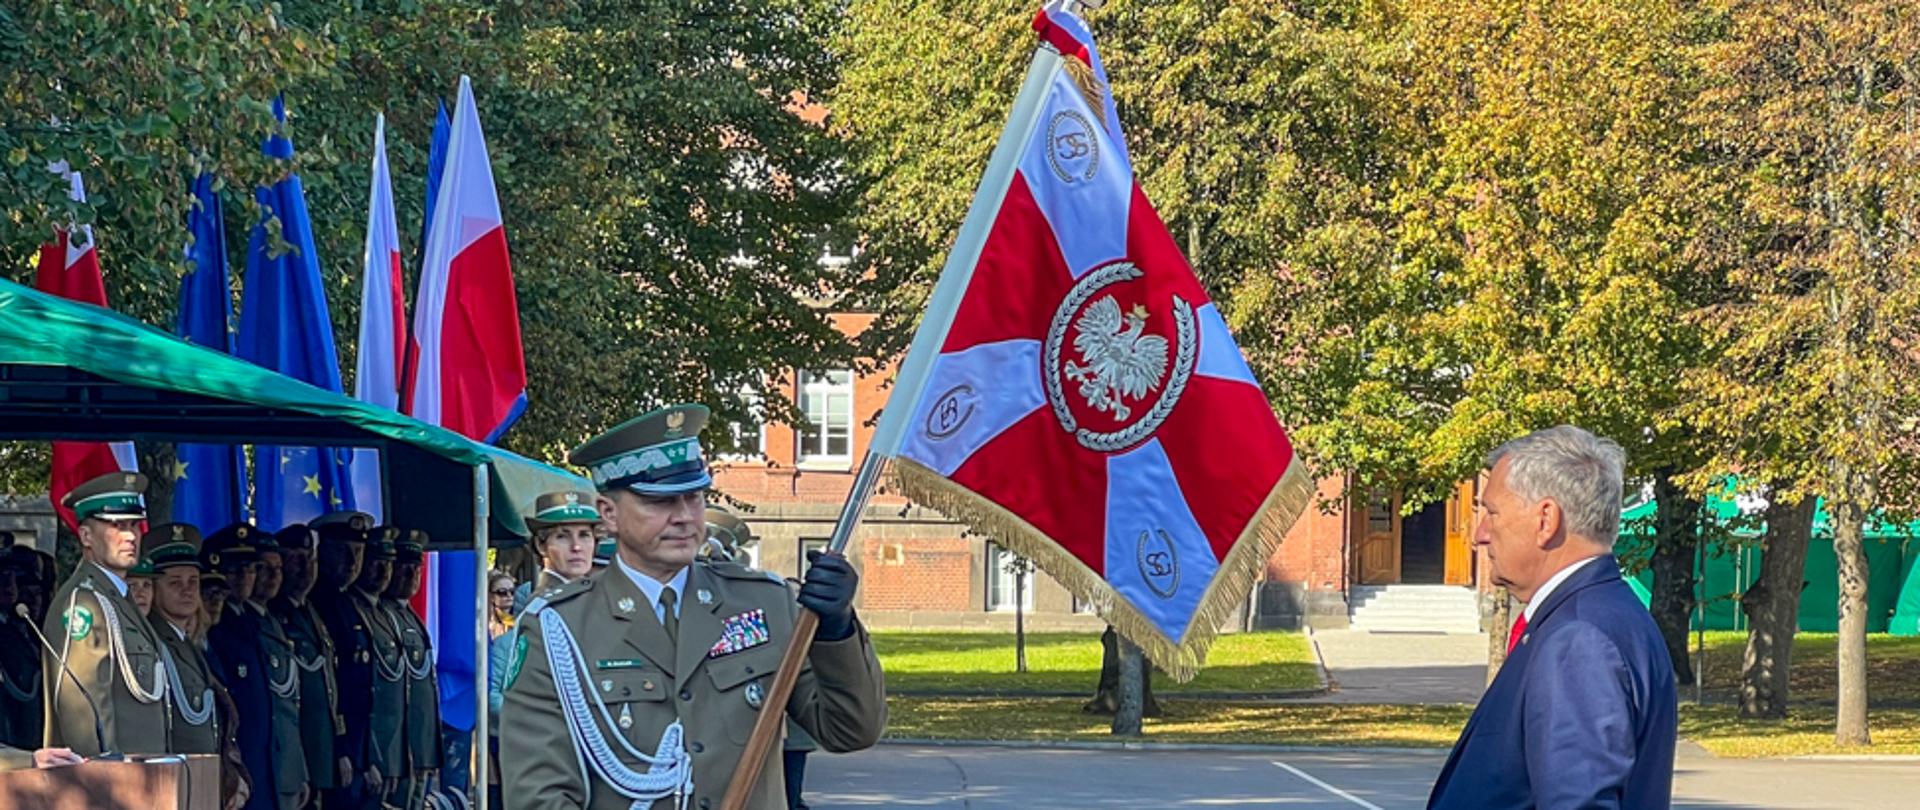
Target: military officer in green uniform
(385, 750)
(563, 526)
(318, 702)
(140, 585)
(103, 638)
(174, 551)
(420, 733)
(283, 676)
(639, 688)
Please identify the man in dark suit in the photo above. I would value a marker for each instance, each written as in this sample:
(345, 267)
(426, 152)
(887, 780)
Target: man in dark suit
(1583, 713)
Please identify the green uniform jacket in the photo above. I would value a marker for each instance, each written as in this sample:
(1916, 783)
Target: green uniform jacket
(191, 694)
(319, 700)
(283, 685)
(420, 734)
(384, 745)
(840, 698)
(114, 651)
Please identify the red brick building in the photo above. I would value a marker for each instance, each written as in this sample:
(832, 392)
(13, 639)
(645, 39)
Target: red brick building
(920, 569)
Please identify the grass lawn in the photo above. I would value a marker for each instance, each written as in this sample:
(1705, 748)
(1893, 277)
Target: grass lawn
(983, 663)
(1808, 731)
(1209, 721)
(1893, 666)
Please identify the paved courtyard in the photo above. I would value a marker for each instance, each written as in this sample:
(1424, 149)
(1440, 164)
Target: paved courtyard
(1368, 667)
(1003, 778)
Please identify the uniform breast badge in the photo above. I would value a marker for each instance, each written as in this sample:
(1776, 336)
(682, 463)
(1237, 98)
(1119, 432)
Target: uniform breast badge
(744, 631)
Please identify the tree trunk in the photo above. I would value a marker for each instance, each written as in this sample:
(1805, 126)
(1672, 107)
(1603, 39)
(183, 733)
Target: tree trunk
(1106, 697)
(1126, 719)
(1019, 622)
(1849, 551)
(1772, 606)
(1675, 546)
(1498, 628)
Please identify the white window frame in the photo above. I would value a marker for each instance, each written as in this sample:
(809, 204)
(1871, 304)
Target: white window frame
(1000, 582)
(820, 386)
(756, 410)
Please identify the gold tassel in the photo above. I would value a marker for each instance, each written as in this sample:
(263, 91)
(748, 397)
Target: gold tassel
(1091, 88)
(1284, 503)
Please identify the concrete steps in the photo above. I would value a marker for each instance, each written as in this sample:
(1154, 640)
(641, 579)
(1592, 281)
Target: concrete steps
(1414, 608)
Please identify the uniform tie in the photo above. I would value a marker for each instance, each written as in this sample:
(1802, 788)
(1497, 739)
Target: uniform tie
(669, 618)
(1513, 637)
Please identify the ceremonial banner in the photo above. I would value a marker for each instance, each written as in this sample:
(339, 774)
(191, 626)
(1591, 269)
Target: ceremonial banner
(284, 326)
(1074, 394)
(70, 268)
(383, 322)
(209, 480)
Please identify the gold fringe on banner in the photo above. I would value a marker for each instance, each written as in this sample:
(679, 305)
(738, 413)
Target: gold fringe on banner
(1284, 503)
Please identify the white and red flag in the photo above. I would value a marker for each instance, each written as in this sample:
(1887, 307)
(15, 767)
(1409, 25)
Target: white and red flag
(383, 321)
(467, 375)
(70, 268)
(1074, 394)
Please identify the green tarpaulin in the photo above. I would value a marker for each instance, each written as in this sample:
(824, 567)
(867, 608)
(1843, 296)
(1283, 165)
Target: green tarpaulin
(74, 371)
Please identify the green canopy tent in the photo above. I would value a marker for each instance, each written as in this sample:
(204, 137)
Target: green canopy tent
(72, 371)
(1893, 586)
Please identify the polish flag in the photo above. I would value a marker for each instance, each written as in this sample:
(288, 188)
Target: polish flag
(70, 268)
(383, 321)
(468, 375)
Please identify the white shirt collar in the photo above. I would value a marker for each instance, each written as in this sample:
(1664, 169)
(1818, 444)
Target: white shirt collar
(652, 587)
(176, 630)
(119, 583)
(556, 575)
(1540, 596)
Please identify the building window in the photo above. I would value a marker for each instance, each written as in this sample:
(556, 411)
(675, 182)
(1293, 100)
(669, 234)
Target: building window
(827, 401)
(1000, 580)
(1082, 607)
(748, 434)
(809, 544)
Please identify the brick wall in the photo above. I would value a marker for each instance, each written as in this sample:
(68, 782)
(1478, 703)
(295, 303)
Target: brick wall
(923, 573)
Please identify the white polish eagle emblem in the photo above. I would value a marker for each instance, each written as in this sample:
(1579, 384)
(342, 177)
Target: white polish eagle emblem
(1121, 362)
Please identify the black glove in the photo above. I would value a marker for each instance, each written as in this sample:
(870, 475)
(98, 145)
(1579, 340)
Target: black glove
(828, 592)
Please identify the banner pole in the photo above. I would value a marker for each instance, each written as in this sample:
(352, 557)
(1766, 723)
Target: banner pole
(914, 371)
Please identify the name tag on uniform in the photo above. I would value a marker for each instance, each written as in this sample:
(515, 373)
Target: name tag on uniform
(741, 632)
(619, 663)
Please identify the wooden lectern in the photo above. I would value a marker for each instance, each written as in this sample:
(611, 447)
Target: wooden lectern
(170, 783)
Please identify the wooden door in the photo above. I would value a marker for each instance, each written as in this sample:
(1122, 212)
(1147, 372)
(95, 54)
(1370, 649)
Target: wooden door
(1379, 546)
(1459, 559)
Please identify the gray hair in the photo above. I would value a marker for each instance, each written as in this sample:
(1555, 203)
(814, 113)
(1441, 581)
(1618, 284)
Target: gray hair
(1581, 472)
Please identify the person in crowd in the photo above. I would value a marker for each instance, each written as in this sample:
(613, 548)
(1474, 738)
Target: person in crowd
(319, 720)
(343, 544)
(677, 650)
(500, 603)
(21, 720)
(1584, 712)
(420, 733)
(103, 638)
(386, 760)
(283, 675)
(237, 646)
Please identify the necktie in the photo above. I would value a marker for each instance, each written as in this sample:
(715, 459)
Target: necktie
(669, 618)
(1513, 638)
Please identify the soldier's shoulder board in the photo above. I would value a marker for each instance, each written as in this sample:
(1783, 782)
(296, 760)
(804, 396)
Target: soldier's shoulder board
(562, 593)
(728, 569)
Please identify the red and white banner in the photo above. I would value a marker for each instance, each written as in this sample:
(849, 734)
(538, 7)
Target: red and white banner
(70, 268)
(383, 321)
(1075, 395)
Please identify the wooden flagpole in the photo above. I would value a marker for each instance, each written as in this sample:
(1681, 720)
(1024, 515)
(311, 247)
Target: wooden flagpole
(914, 371)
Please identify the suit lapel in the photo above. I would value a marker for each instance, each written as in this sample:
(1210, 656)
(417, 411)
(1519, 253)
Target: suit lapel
(700, 622)
(638, 628)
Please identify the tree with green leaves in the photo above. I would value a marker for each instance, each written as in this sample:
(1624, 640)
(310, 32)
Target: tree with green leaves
(1812, 114)
(668, 195)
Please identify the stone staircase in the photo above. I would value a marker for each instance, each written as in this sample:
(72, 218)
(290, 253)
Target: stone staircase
(1414, 609)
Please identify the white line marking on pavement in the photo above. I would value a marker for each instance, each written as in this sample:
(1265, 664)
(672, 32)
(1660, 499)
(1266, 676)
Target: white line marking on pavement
(1326, 787)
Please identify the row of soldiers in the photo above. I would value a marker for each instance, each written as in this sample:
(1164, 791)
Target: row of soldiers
(293, 654)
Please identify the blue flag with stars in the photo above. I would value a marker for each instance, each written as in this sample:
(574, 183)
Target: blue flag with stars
(207, 478)
(284, 326)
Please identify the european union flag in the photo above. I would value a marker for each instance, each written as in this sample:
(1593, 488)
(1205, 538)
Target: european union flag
(284, 326)
(207, 478)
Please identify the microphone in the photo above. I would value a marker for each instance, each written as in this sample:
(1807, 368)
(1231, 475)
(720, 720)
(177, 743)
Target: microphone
(99, 731)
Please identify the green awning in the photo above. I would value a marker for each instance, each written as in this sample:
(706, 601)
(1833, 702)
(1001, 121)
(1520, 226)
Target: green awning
(1725, 509)
(74, 371)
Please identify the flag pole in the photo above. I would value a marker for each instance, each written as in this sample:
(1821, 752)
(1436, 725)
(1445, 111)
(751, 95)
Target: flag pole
(914, 371)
